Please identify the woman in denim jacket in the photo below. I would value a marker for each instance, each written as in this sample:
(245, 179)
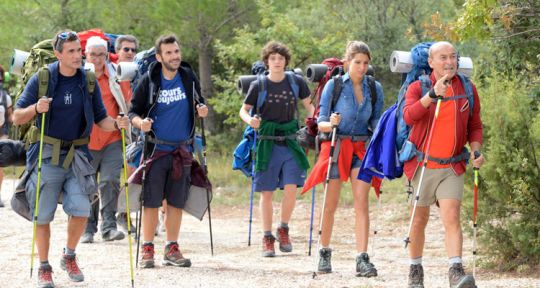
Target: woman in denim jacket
(355, 116)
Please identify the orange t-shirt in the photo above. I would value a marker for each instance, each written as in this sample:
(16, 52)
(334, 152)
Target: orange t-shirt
(443, 140)
(100, 138)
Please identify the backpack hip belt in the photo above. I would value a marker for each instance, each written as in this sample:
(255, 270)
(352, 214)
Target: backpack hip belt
(162, 142)
(277, 138)
(465, 155)
(58, 145)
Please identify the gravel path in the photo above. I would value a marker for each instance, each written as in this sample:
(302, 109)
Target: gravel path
(106, 264)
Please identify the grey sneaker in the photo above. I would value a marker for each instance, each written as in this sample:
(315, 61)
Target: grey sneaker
(121, 221)
(87, 238)
(69, 264)
(364, 268)
(416, 276)
(147, 258)
(45, 277)
(172, 256)
(112, 235)
(325, 260)
(285, 244)
(458, 278)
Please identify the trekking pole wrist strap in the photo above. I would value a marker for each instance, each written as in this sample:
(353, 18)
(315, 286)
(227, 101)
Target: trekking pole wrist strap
(35, 108)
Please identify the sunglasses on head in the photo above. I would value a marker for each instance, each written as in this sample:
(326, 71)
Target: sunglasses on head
(127, 49)
(66, 35)
(63, 37)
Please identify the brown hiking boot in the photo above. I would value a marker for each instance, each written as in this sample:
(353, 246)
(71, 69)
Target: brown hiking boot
(416, 276)
(268, 246)
(69, 264)
(172, 256)
(283, 239)
(458, 278)
(45, 277)
(147, 259)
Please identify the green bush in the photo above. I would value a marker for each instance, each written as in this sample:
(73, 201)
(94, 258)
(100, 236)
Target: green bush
(509, 206)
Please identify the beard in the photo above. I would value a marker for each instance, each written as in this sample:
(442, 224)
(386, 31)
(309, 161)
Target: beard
(170, 66)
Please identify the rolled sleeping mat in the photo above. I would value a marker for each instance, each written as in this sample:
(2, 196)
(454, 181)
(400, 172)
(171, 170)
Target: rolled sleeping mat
(126, 71)
(17, 61)
(242, 86)
(89, 67)
(401, 62)
(315, 72)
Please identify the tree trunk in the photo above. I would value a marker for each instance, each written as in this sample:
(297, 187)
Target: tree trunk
(205, 74)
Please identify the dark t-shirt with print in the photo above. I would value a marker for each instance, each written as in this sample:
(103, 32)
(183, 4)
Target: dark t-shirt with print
(280, 101)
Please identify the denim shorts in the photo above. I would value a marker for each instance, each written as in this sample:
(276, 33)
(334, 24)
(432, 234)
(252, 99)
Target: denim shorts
(282, 170)
(356, 163)
(55, 180)
(159, 184)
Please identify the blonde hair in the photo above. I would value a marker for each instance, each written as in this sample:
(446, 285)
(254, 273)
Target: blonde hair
(356, 47)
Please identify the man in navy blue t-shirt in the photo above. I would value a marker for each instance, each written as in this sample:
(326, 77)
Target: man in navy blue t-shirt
(163, 107)
(70, 110)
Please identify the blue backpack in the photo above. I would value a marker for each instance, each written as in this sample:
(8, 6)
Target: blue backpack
(143, 60)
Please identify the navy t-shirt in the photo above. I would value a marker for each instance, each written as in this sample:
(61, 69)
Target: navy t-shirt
(171, 115)
(67, 106)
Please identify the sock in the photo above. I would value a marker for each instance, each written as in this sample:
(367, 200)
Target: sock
(416, 261)
(267, 233)
(69, 252)
(454, 260)
(44, 263)
(171, 242)
(359, 254)
(147, 242)
(284, 225)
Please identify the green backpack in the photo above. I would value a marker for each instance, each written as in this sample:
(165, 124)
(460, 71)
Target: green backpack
(40, 56)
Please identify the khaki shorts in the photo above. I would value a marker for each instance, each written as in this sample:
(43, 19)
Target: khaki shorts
(438, 184)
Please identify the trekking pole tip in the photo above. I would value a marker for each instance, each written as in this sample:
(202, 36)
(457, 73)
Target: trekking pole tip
(407, 241)
(314, 275)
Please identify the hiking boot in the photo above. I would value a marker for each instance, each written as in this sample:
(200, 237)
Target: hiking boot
(364, 268)
(69, 264)
(173, 257)
(325, 260)
(87, 238)
(45, 277)
(283, 239)
(147, 259)
(268, 246)
(112, 235)
(416, 276)
(458, 278)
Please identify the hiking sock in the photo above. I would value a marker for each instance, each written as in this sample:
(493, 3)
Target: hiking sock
(69, 252)
(171, 242)
(454, 260)
(416, 261)
(267, 233)
(284, 225)
(359, 254)
(147, 243)
(44, 264)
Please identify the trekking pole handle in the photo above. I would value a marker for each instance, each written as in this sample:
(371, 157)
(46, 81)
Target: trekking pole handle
(476, 155)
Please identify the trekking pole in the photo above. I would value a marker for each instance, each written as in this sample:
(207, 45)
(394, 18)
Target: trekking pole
(205, 167)
(38, 188)
(312, 214)
(123, 132)
(376, 222)
(424, 164)
(475, 210)
(330, 158)
(252, 182)
(139, 214)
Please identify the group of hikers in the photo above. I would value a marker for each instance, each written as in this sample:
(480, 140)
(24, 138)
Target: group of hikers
(83, 132)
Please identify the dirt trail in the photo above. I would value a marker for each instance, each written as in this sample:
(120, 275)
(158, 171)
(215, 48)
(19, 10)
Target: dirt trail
(106, 264)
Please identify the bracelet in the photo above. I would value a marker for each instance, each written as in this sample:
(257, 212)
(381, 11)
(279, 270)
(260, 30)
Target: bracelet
(35, 108)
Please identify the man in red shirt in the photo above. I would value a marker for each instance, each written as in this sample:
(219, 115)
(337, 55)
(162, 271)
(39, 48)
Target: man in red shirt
(443, 181)
(106, 147)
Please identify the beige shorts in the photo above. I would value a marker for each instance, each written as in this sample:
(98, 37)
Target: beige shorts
(438, 184)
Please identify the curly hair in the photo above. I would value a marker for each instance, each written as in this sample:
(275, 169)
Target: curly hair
(274, 47)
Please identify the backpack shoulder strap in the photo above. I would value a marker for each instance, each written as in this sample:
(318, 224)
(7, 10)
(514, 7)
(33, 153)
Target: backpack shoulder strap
(467, 85)
(338, 85)
(373, 90)
(292, 81)
(43, 81)
(425, 83)
(91, 82)
(261, 96)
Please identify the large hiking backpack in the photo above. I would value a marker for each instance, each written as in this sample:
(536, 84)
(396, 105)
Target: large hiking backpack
(331, 68)
(143, 60)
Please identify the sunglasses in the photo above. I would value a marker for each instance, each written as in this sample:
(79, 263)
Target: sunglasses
(63, 37)
(127, 49)
(67, 34)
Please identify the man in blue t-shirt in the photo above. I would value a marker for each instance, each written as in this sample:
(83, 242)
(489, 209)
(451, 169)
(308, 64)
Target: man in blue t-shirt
(163, 107)
(70, 110)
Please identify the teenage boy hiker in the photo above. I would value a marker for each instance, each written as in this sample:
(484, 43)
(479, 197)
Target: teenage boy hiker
(281, 162)
(70, 112)
(442, 183)
(106, 146)
(167, 114)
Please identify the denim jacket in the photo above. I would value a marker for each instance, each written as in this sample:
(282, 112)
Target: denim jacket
(356, 117)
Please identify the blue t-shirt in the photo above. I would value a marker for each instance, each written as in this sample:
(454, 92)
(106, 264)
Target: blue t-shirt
(67, 107)
(172, 117)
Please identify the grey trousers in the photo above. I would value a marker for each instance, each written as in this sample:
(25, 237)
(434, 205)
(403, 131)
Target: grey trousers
(107, 163)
